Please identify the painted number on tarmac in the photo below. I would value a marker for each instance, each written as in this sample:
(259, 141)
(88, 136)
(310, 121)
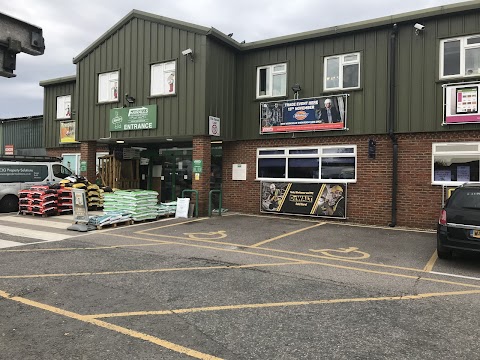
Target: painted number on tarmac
(351, 253)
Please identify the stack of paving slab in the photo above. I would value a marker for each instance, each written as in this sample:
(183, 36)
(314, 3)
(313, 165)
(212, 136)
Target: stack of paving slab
(140, 204)
(109, 219)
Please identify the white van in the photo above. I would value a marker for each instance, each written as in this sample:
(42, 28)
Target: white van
(17, 175)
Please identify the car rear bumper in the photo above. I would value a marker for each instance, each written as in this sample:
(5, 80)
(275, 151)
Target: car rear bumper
(445, 241)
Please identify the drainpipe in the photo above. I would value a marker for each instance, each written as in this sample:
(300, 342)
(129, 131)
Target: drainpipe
(391, 122)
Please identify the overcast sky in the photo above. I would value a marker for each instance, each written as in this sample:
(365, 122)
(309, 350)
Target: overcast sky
(71, 26)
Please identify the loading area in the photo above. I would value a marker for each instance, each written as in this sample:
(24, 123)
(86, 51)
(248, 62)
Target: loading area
(239, 287)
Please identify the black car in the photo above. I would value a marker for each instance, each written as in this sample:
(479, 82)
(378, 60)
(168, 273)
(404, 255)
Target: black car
(459, 222)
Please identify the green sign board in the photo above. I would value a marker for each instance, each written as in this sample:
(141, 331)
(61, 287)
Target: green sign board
(83, 165)
(133, 118)
(197, 166)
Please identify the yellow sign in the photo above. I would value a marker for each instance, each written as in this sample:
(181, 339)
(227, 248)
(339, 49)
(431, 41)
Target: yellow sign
(197, 176)
(67, 131)
(351, 253)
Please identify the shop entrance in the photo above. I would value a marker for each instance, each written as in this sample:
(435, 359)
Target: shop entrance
(176, 173)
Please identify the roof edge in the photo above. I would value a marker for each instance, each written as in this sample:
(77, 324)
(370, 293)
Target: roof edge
(145, 16)
(361, 25)
(58, 81)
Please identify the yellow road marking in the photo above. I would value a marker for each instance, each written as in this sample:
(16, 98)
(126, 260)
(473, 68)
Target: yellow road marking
(176, 224)
(88, 248)
(283, 304)
(152, 339)
(416, 277)
(35, 276)
(287, 234)
(271, 250)
(350, 250)
(431, 262)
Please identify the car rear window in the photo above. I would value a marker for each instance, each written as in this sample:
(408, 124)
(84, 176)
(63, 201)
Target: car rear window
(465, 199)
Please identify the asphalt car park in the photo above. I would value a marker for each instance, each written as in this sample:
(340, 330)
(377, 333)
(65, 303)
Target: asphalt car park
(239, 287)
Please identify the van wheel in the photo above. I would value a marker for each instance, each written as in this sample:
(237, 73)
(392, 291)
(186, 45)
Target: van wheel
(9, 203)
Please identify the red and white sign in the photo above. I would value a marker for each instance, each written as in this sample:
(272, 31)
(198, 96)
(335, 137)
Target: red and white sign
(213, 126)
(8, 149)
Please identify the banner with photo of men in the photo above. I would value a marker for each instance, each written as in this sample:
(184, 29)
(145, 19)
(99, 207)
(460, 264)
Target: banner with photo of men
(322, 200)
(312, 114)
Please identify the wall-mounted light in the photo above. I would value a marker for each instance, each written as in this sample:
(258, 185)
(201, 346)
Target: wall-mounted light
(296, 89)
(130, 99)
(188, 52)
(120, 141)
(418, 27)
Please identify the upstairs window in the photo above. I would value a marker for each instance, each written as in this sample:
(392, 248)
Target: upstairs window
(162, 79)
(272, 81)
(342, 72)
(460, 57)
(108, 86)
(64, 107)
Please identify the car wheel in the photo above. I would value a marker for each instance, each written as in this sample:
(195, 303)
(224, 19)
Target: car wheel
(9, 203)
(444, 254)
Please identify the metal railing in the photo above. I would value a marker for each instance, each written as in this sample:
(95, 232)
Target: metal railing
(210, 202)
(196, 198)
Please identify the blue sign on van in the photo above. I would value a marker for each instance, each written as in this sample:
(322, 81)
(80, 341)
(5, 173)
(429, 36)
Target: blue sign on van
(23, 173)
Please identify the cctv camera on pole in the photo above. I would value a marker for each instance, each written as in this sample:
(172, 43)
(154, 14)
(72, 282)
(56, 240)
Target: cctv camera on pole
(16, 37)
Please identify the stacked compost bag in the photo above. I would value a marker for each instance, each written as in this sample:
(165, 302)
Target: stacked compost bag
(93, 192)
(139, 204)
(64, 203)
(40, 200)
(165, 209)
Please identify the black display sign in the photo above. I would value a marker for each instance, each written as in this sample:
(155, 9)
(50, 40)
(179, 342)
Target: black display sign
(323, 200)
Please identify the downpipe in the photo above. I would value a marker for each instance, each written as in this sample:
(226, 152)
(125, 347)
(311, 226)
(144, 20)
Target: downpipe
(391, 123)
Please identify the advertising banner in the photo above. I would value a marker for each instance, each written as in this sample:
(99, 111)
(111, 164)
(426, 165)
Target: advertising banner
(67, 132)
(133, 118)
(312, 114)
(319, 200)
(461, 103)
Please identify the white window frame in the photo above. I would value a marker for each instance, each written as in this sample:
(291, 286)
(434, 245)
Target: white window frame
(159, 75)
(62, 103)
(269, 80)
(463, 47)
(473, 152)
(342, 63)
(322, 152)
(77, 160)
(106, 83)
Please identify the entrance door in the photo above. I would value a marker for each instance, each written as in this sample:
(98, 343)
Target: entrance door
(177, 174)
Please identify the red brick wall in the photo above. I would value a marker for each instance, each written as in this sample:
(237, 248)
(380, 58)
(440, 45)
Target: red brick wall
(202, 151)
(369, 199)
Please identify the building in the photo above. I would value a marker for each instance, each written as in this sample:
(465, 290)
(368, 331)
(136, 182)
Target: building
(366, 121)
(22, 136)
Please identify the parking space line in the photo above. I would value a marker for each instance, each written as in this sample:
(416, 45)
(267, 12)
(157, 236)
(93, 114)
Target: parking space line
(175, 224)
(85, 248)
(455, 275)
(287, 234)
(431, 262)
(123, 272)
(276, 250)
(416, 277)
(119, 329)
(283, 304)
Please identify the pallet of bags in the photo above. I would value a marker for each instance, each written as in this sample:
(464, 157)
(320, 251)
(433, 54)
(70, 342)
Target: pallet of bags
(40, 200)
(64, 202)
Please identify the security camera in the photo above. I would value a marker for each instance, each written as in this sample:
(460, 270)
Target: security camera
(418, 26)
(187, 52)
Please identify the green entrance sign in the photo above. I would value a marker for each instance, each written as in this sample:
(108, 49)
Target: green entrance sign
(133, 118)
(83, 165)
(197, 166)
